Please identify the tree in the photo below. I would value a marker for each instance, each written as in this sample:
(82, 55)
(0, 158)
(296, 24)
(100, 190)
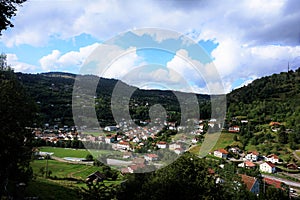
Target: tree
(89, 157)
(17, 112)
(8, 9)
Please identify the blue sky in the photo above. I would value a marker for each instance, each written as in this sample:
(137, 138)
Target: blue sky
(244, 40)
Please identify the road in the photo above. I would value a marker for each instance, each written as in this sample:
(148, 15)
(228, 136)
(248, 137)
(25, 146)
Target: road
(287, 182)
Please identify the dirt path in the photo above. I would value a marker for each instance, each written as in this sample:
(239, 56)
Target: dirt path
(295, 154)
(78, 171)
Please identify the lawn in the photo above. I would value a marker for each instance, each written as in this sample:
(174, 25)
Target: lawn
(64, 170)
(224, 140)
(46, 189)
(77, 153)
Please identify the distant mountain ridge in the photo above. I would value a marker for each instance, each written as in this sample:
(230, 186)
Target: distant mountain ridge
(53, 93)
(271, 98)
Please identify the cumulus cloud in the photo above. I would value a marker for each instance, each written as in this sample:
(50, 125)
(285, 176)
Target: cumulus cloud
(13, 61)
(73, 59)
(255, 38)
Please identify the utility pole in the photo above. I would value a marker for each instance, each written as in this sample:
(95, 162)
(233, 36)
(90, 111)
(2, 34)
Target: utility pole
(47, 158)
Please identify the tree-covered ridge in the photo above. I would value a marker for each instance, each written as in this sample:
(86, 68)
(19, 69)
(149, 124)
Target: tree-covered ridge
(271, 98)
(53, 94)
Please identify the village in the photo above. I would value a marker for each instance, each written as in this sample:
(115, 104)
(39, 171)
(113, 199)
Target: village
(144, 148)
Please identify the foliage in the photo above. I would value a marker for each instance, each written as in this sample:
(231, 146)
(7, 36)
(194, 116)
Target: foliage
(16, 113)
(186, 178)
(8, 9)
(99, 191)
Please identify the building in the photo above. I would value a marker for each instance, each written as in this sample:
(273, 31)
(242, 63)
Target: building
(110, 128)
(267, 167)
(122, 145)
(272, 158)
(221, 153)
(247, 164)
(161, 145)
(251, 183)
(252, 156)
(151, 157)
(234, 129)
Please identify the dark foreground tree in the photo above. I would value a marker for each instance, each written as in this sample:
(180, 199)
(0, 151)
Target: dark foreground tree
(16, 113)
(8, 9)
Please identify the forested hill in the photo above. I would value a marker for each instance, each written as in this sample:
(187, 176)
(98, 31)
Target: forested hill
(53, 94)
(271, 98)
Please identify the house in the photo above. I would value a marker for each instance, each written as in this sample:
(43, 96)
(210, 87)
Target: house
(110, 128)
(221, 153)
(179, 151)
(135, 167)
(194, 140)
(174, 146)
(234, 150)
(95, 177)
(127, 155)
(292, 166)
(247, 164)
(122, 145)
(161, 145)
(275, 183)
(151, 157)
(274, 124)
(272, 158)
(234, 129)
(252, 155)
(252, 184)
(267, 167)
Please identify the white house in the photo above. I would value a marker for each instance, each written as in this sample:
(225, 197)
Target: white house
(179, 151)
(221, 153)
(247, 164)
(234, 129)
(161, 145)
(272, 158)
(253, 156)
(174, 146)
(110, 128)
(151, 157)
(267, 167)
(123, 145)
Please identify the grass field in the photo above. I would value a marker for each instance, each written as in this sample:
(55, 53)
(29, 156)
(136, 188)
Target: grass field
(46, 189)
(64, 170)
(224, 140)
(77, 153)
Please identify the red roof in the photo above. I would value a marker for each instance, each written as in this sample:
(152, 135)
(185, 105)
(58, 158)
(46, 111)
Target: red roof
(271, 164)
(249, 164)
(223, 151)
(275, 183)
(273, 155)
(152, 155)
(274, 123)
(248, 180)
(161, 142)
(211, 171)
(254, 153)
(124, 143)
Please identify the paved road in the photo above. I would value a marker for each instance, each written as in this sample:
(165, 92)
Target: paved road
(68, 161)
(288, 182)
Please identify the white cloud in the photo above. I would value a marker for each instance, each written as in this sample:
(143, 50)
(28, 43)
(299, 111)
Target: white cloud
(18, 66)
(255, 38)
(73, 59)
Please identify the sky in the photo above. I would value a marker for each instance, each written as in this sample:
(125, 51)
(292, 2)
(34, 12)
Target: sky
(155, 42)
